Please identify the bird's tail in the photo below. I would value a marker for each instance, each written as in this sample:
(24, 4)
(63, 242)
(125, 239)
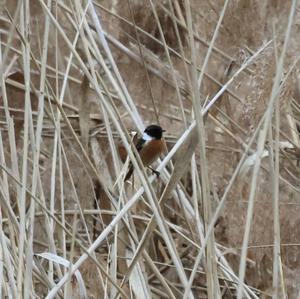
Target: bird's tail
(129, 173)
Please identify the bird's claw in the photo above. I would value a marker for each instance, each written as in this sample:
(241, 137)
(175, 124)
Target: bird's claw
(155, 171)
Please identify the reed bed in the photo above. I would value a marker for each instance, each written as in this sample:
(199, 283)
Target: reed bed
(220, 221)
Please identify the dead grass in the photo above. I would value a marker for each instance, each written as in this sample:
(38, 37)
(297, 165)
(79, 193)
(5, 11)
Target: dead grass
(222, 219)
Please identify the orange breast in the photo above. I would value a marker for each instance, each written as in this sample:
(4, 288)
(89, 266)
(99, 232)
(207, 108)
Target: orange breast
(151, 151)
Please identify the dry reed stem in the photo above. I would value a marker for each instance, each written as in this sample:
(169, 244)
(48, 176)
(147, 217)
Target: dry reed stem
(124, 265)
(260, 147)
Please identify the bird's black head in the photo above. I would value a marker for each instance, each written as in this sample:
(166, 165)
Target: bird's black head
(154, 131)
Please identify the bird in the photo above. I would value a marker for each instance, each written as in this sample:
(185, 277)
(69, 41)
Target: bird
(150, 146)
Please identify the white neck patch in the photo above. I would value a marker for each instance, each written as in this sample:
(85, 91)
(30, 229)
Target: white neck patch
(147, 137)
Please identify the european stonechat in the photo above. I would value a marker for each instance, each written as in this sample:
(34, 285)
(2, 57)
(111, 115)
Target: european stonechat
(149, 147)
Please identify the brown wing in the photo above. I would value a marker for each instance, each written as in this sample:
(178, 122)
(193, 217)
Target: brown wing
(139, 145)
(122, 150)
(129, 173)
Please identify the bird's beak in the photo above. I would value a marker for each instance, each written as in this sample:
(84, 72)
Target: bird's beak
(163, 130)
